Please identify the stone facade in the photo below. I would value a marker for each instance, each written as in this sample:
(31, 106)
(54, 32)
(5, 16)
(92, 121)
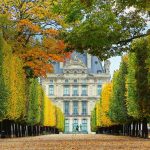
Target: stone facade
(75, 87)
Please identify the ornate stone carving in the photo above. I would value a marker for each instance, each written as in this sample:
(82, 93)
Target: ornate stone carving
(75, 65)
(107, 66)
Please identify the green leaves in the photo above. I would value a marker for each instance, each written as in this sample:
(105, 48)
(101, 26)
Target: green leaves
(118, 110)
(132, 97)
(3, 87)
(103, 30)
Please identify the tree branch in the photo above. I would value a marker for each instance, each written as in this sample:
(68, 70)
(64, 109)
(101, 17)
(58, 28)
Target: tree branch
(130, 39)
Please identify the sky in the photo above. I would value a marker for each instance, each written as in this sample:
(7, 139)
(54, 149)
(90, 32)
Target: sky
(115, 62)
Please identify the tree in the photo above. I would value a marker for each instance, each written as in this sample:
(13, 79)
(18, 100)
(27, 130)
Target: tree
(138, 96)
(33, 109)
(49, 113)
(103, 29)
(98, 117)
(105, 101)
(3, 88)
(59, 119)
(139, 4)
(31, 27)
(93, 120)
(132, 99)
(17, 99)
(118, 110)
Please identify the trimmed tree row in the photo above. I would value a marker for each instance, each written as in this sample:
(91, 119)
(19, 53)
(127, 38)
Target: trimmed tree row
(124, 106)
(24, 108)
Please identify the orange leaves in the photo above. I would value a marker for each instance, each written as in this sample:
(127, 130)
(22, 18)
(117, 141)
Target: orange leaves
(38, 61)
(26, 23)
(56, 49)
(51, 32)
(35, 35)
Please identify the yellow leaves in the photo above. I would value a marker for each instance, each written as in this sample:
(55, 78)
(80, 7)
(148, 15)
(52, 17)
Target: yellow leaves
(49, 113)
(17, 101)
(34, 35)
(98, 114)
(59, 119)
(125, 58)
(105, 104)
(53, 116)
(102, 108)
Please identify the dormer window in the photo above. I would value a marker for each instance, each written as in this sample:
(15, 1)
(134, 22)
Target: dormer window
(66, 81)
(51, 81)
(96, 62)
(99, 71)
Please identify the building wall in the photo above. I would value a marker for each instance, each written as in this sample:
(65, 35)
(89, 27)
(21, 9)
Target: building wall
(76, 70)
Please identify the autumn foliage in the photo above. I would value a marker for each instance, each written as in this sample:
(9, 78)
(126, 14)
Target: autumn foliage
(124, 103)
(22, 99)
(33, 31)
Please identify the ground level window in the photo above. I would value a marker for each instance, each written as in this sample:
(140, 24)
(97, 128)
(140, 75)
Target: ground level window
(66, 125)
(84, 125)
(75, 124)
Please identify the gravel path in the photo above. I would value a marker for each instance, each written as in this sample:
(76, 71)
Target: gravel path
(75, 142)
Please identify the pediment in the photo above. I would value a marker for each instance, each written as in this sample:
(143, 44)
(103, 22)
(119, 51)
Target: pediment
(75, 64)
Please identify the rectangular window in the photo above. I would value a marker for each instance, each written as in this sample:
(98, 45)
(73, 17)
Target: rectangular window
(66, 108)
(66, 81)
(84, 108)
(66, 125)
(99, 88)
(51, 81)
(75, 80)
(75, 124)
(75, 108)
(75, 90)
(84, 90)
(99, 82)
(66, 90)
(84, 125)
(83, 81)
(51, 90)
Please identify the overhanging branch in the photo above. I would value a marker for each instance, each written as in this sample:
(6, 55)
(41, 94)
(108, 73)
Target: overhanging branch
(130, 39)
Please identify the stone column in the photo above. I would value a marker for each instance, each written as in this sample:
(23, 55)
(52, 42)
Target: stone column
(46, 89)
(71, 107)
(55, 90)
(88, 107)
(79, 90)
(95, 90)
(60, 90)
(88, 125)
(70, 124)
(70, 90)
(79, 123)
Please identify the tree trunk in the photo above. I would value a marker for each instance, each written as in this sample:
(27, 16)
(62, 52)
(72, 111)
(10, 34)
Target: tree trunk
(144, 128)
(133, 129)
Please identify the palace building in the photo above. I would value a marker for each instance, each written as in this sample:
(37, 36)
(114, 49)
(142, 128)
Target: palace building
(75, 86)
